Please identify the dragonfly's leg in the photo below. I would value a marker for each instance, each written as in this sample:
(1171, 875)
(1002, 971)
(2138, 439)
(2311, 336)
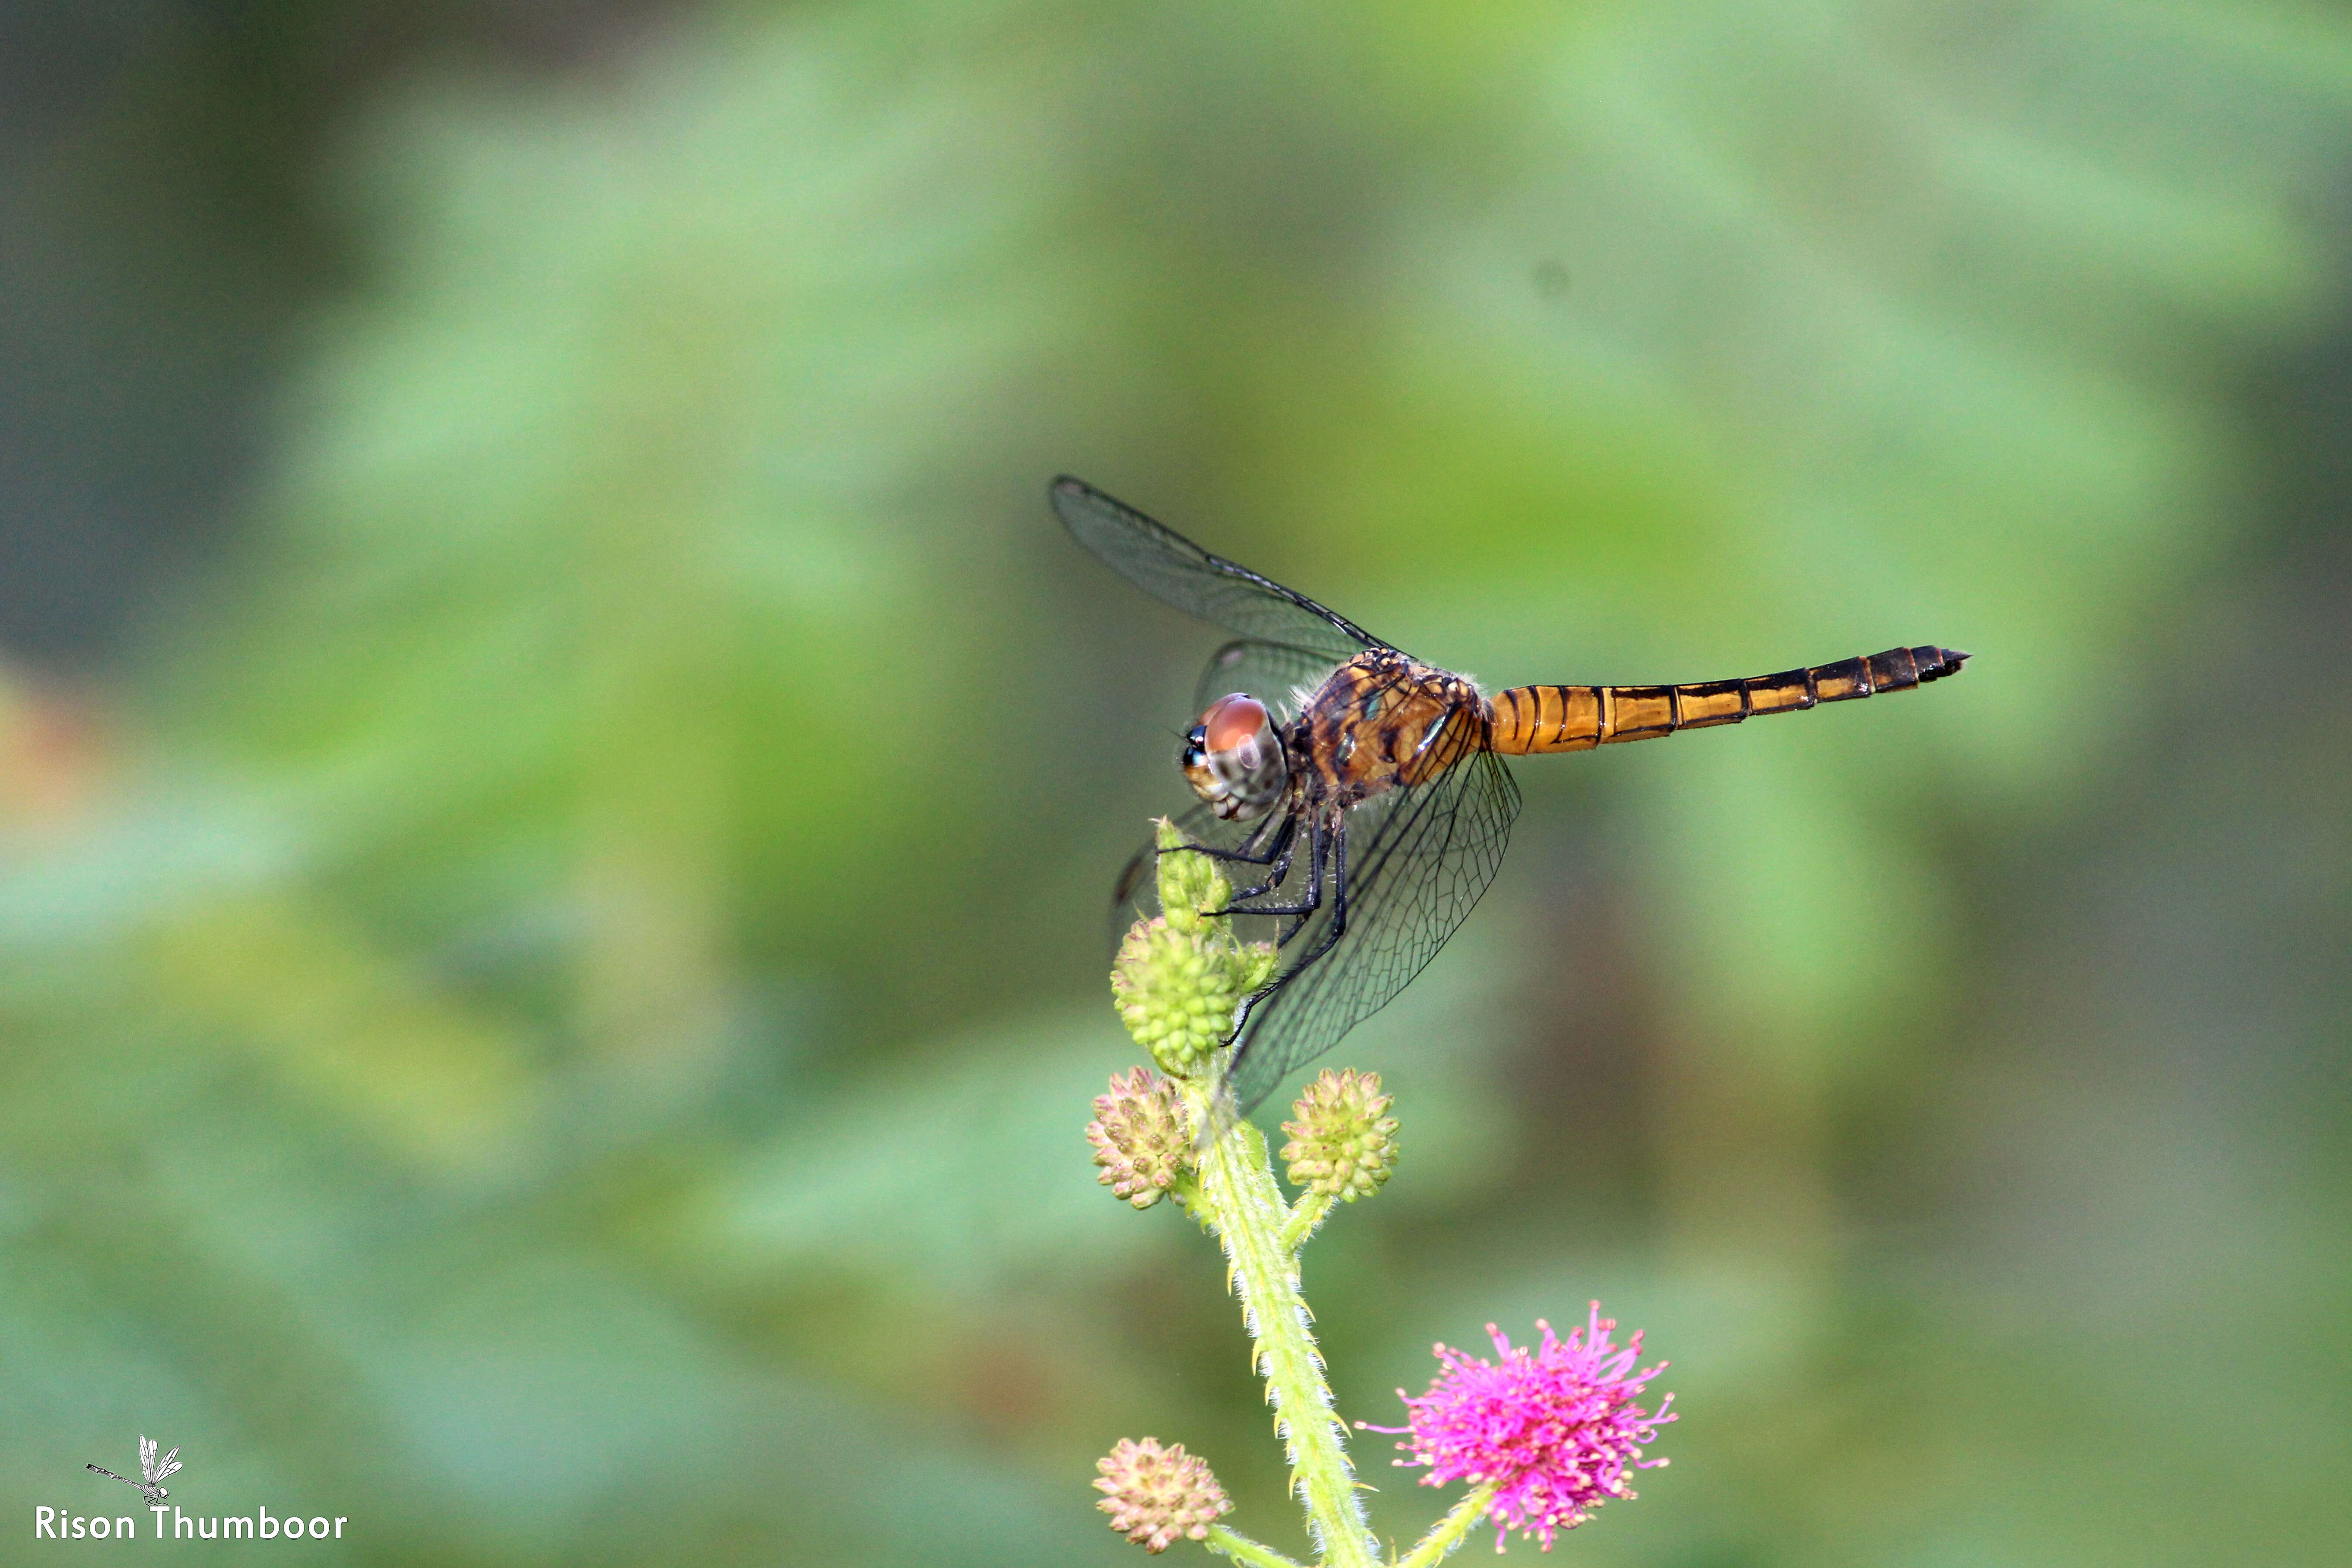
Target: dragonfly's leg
(1248, 852)
(1284, 845)
(1337, 839)
(1317, 842)
(1339, 881)
(1130, 880)
(1274, 880)
(1338, 926)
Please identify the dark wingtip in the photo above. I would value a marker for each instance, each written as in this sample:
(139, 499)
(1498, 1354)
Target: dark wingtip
(1067, 496)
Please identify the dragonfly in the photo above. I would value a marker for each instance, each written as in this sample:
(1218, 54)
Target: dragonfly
(153, 1468)
(1361, 792)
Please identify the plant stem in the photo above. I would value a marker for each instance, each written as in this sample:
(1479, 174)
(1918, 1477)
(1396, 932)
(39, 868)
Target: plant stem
(1237, 1183)
(1242, 1549)
(1304, 1218)
(1450, 1530)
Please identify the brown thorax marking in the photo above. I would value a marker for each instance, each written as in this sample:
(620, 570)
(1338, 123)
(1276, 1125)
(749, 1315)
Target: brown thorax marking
(1382, 720)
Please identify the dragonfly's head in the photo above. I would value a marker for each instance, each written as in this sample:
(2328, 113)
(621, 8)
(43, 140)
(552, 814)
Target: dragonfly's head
(1233, 760)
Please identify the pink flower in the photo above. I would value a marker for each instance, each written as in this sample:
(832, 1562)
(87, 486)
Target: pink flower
(1555, 1428)
(1155, 1495)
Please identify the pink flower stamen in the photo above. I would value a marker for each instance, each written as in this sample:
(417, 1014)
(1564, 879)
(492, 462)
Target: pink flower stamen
(1555, 1427)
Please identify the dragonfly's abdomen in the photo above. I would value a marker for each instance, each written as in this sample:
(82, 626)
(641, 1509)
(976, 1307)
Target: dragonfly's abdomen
(1531, 718)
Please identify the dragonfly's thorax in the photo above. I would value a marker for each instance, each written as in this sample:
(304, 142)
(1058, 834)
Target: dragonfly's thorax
(1382, 720)
(1234, 760)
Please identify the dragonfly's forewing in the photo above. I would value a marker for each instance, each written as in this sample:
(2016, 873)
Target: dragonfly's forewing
(1175, 571)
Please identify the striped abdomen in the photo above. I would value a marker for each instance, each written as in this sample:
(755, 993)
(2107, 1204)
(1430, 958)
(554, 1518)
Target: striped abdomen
(1576, 717)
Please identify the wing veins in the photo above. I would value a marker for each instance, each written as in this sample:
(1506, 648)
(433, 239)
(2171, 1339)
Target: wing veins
(1424, 867)
(1175, 571)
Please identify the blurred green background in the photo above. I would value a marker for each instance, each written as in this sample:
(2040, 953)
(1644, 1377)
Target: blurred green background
(559, 779)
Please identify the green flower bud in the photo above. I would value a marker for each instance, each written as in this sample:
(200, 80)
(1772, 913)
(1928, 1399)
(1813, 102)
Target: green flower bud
(1181, 975)
(1192, 886)
(1139, 1136)
(1175, 999)
(1341, 1145)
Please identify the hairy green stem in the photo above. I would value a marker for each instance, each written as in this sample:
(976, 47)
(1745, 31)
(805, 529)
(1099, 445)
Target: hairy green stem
(1242, 1549)
(1305, 1216)
(1246, 1207)
(1449, 1531)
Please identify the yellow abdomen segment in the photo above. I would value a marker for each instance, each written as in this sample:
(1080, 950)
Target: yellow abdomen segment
(1532, 719)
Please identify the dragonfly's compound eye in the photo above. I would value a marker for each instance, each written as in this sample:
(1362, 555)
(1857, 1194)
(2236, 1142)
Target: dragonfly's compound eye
(1233, 758)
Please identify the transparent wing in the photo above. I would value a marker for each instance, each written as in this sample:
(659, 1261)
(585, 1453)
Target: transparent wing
(171, 1463)
(1175, 571)
(147, 1457)
(1274, 673)
(1418, 861)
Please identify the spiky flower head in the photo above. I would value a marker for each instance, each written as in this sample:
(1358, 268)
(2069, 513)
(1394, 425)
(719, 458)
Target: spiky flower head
(1191, 888)
(1138, 1135)
(1554, 1429)
(1155, 1495)
(1341, 1145)
(1181, 975)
